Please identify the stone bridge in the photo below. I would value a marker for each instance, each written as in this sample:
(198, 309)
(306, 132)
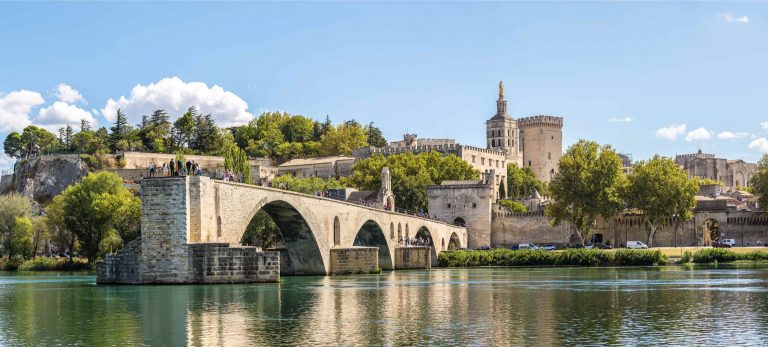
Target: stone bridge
(182, 211)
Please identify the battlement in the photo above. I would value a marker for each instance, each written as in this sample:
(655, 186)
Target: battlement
(695, 155)
(540, 120)
(482, 150)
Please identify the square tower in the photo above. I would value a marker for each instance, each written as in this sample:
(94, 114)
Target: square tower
(502, 133)
(541, 141)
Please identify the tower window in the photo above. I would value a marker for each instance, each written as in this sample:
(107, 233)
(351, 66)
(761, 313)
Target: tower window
(473, 158)
(529, 163)
(482, 161)
(549, 155)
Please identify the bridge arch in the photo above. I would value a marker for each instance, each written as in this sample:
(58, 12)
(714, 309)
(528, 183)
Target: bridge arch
(370, 234)
(454, 243)
(425, 234)
(302, 248)
(459, 222)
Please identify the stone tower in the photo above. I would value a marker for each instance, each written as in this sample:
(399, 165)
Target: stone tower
(541, 141)
(502, 132)
(386, 196)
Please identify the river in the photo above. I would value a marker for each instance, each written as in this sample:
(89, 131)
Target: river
(674, 305)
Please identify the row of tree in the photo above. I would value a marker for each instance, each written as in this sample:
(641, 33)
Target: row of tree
(94, 216)
(277, 135)
(590, 184)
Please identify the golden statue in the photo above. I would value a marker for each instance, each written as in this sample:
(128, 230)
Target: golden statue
(501, 89)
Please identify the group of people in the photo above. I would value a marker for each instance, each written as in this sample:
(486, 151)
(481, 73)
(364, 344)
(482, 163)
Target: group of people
(229, 176)
(175, 168)
(419, 241)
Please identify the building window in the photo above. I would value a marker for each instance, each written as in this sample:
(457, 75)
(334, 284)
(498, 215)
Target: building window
(473, 159)
(493, 142)
(482, 161)
(529, 163)
(474, 205)
(449, 205)
(549, 155)
(541, 131)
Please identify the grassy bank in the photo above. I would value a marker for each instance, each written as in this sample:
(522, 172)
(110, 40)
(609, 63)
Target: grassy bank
(569, 257)
(721, 255)
(44, 264)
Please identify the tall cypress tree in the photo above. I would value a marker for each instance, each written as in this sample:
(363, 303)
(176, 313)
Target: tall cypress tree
(119, 131)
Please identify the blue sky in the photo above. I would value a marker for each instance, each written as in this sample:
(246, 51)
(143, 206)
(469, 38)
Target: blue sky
(646, 78)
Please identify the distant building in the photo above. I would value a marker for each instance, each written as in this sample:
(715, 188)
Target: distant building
(324, 167)
(732, 173)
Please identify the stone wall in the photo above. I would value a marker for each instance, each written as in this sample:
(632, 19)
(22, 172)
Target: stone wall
(353, 260)
(509, 228)
(470, 203)
(121, 267)
(219, 263)
(413, 258)
(6, 183)
(541, 141)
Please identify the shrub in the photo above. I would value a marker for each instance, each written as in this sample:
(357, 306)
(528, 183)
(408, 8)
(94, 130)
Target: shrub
(120, 159)
(54, 264)
(722, 255)
(93, 162)
(513, 206)
(687, 257)
(569, 257)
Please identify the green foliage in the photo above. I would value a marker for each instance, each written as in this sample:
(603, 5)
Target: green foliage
(523, 182)
(306, 185)
(723, 255)
(97, 204)
(759, 181)
(343, 139)
(54, 264)
(687, 257)
(14, 209)
(662, 191)
(118, 136)
(61, 237)
(568, 257)
(237, 161)
(589, 184)
(704, 181)
(32, 141)
(94, 162)
(261, 232)
(513, 206)
(375, 137)
(411, 173)
(21, 241)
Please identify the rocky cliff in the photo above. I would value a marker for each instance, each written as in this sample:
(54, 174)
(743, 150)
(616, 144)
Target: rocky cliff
(43, 178)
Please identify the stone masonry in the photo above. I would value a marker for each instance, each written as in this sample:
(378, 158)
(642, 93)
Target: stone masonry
(413, 258)
(354, 260)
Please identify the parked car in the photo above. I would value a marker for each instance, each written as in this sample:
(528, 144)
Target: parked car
(548, 248)
(721, 244)
(483, 248)
(765, 244)
(636, 245)
(513, 247)
(730, 242)
(527, 246)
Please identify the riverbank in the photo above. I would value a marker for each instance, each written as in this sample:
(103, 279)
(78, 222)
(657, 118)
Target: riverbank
(568, 257)
(44, 264)
(722, 255)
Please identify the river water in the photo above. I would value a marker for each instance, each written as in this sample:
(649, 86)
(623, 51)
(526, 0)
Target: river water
(487, 306)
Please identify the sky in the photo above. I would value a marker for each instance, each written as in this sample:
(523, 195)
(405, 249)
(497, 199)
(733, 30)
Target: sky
(645, 77)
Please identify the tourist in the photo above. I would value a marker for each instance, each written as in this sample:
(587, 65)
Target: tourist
(189, 167)
(199, 170)
(151, 169)
(180, 167)
(172, 167)
(165, 169)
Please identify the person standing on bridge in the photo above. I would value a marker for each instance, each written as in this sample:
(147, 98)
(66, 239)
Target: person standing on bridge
(180, 167)
(172, 166)
(165, 169)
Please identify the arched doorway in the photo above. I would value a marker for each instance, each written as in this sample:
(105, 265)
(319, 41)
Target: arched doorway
(711, 231)
(299, 251)
(371, 235)
(459, 222)
(336, 231)
(454, 243)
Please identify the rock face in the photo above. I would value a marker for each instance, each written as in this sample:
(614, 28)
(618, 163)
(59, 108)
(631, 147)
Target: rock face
(43, 178)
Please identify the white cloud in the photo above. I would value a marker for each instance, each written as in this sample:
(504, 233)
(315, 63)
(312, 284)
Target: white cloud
(764, 125)
(760, 145)
(68, 94)
(730, 18)
(60, 114)
(5, 160)
(729, 135)
(698, 134)
(620, 120)
(671, 132)
(175, 96)
(15, 107)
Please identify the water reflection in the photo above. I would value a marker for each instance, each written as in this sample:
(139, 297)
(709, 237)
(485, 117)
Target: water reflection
(650, 306)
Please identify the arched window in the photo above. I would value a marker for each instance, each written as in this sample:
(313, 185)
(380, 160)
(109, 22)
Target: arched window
(336, 231)
(399, 231)
(392, 231)
(407, 233)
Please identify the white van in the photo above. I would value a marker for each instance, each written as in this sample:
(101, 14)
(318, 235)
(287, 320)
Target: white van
(729, 242)
(636, 245)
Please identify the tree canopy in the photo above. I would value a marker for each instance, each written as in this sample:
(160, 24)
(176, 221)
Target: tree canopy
(522, 182)
(759, 182)
(662, 191)
(589, 184)
(411, 173)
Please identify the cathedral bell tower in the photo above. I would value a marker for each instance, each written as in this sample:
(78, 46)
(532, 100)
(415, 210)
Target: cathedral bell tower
(502, 133)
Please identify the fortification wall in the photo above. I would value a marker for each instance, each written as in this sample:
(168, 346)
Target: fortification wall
(509, 228)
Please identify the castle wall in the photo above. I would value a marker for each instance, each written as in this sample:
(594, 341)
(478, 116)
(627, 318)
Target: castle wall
(471, 203)
(508, 228)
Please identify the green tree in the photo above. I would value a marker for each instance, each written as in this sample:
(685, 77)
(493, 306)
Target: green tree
(298, 129)
(184, 128)
(207, 135)
(662, 191)
(62, 237)
(12, 207)
(14, 146)
(155, 133)
(375, 137)
(89, 210)
(523, 182)
(236, 160)
(410, 173)
(343, 139)
(261, 232)
(588, 185)
(306, 185)
(20, 242)
(119, 131)
(759, 182)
